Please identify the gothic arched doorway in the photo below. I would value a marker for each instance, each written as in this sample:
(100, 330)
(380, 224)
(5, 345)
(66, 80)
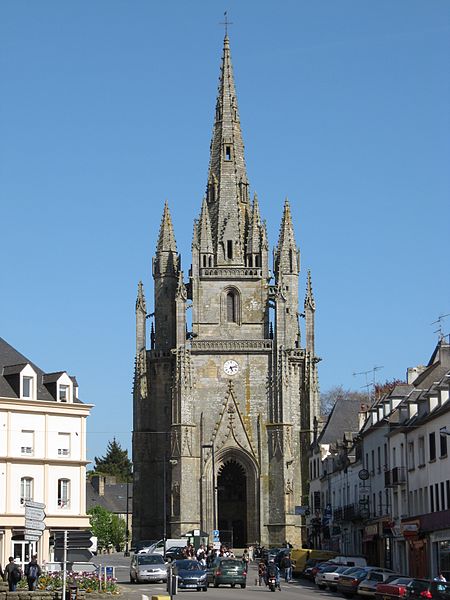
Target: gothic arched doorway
(232, 501)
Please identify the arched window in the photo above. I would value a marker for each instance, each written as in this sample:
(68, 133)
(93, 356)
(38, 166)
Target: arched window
(26, 489)
(63, 493)
(231, 307)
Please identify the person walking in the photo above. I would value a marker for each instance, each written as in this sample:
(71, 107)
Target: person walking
(13, 574)
(32, 572)
(286, 564)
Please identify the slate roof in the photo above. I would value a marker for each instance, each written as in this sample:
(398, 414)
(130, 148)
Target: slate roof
(114, 498)
(343, 419)
(11, 363)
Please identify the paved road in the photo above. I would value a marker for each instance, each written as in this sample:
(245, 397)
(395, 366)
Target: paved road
(298, 589)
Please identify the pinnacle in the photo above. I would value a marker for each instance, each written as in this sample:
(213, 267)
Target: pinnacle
(166, 240)
(309, 298)
(140, 300)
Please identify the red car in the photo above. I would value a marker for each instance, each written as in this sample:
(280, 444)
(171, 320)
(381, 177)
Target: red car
(394, 589)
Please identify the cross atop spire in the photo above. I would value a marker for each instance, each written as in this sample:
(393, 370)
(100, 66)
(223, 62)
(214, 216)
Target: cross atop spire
(226, 22)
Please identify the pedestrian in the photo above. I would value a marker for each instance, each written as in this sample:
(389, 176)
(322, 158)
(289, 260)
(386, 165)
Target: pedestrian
(245, 559)
(13, 574)
(286, 564)
(262, 572)
(32, 572)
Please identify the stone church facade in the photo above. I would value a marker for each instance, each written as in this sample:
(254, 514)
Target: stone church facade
(224, 412)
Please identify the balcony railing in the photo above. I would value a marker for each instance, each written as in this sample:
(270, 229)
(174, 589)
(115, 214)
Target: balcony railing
(396, 476)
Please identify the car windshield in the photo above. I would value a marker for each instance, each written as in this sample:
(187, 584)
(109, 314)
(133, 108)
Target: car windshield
(375, 576)
(150, 559)
(188, 565)
(400, 581)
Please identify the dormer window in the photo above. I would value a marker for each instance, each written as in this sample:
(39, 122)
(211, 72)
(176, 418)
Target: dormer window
(64, 393)
(27, 387)
(28, 383)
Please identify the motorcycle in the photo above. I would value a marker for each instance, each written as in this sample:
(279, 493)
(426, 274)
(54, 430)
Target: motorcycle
(272, 582)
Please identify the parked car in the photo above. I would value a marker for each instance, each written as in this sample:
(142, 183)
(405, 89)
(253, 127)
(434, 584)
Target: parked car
(147, 567)
(347, 583)
(368, 586)
(320, 566)
(393, 589)
(309, 566)
(227, 571)
(191, 574)
(174, 553)
(330, 577)
(424, 588)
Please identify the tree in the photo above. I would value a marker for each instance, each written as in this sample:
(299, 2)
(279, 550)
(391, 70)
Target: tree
(115, 462)
(108, 527)
(100, 519)
(328, 398)
(381, 389)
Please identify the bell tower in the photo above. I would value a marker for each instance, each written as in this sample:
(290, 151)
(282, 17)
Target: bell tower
(224, 411)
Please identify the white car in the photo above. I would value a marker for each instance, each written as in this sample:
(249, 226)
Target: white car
(329, 578)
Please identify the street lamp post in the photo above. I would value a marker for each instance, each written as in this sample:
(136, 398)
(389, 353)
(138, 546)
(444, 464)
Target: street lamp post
(127, 533)
(211, 447)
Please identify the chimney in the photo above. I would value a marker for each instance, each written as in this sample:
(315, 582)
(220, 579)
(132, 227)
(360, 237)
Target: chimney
(413, 373)
(98, 483)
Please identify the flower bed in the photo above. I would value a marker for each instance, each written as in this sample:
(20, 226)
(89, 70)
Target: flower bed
(89, 582)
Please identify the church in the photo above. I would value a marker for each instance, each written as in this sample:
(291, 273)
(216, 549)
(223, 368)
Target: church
(226, 395)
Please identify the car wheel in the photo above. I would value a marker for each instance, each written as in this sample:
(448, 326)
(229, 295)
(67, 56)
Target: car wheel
(321, 586)
(205, 589)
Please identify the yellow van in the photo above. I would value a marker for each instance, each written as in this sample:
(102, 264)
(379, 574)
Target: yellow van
(301, 555)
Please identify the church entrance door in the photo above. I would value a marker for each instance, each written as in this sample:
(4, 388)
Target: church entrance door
(232, 501)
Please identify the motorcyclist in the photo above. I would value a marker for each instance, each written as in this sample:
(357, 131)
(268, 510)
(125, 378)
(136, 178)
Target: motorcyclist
(273, 571)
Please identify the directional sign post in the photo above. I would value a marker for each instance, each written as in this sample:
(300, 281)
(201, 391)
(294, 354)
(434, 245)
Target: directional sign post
(34, 520)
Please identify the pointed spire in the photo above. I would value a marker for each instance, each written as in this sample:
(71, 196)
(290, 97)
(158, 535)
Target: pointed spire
(286, 237)
(287, 257)
(309, 297)
(254, 229)
(140, 300)
(141, 315)
(166, 239)
(227, 192)
(204, 230)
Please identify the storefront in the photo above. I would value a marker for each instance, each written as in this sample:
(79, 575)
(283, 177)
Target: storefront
(418, 558)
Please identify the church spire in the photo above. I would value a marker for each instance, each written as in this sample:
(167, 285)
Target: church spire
(227, 191)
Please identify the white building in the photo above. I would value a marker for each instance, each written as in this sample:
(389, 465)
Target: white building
(419, 444)
(42, 453)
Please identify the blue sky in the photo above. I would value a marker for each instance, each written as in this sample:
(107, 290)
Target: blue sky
(107, 110)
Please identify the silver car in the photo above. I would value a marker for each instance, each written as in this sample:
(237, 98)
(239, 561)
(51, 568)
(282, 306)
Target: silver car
(147, 567)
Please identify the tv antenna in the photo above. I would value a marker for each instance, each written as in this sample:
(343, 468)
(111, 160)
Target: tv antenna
(440, 320)
(372, 383)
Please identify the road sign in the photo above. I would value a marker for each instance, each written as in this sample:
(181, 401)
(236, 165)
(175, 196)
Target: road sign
(31, 524)
(33, 504)
(34, 513)
(29, 537)
(215, 533)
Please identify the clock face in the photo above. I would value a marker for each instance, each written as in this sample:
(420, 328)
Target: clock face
(231, 367)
